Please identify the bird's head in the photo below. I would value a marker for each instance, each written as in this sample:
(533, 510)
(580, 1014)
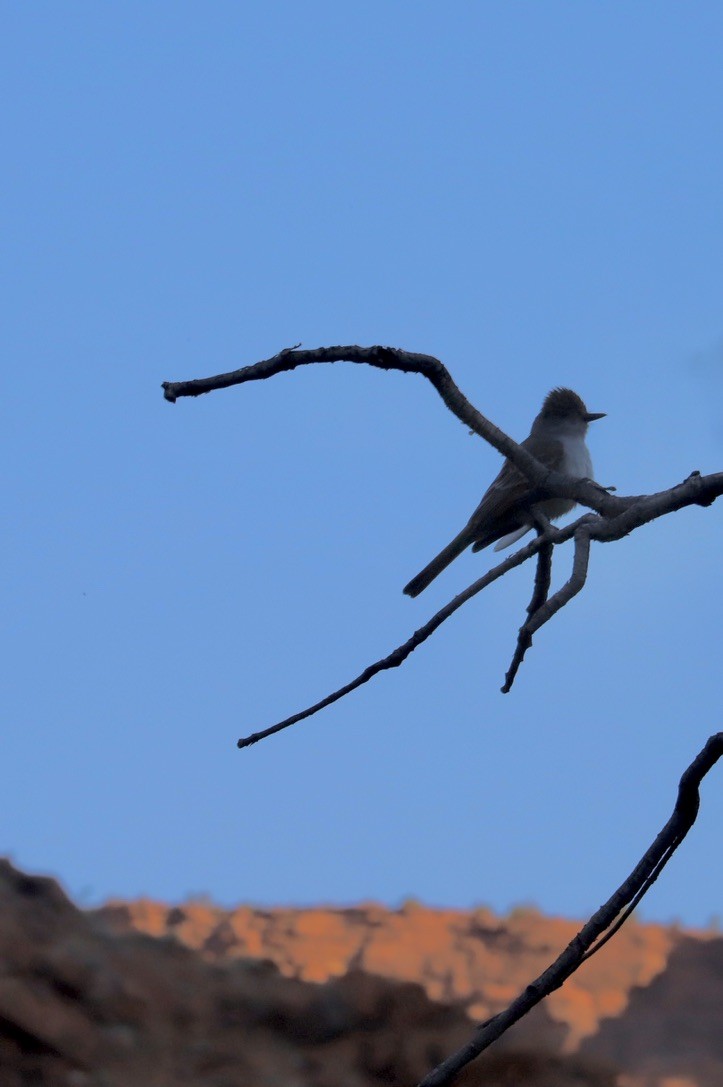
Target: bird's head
(565, 406)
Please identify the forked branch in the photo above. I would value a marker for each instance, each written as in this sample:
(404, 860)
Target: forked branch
(616, 516)
(543, 577)
(400, 654)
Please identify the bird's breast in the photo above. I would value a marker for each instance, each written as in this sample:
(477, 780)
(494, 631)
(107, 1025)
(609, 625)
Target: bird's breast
(576, 459)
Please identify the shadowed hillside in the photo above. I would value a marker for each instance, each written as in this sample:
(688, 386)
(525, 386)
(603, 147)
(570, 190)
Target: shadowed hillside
(146, 994)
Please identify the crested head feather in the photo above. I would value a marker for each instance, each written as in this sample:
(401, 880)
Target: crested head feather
(563, 403)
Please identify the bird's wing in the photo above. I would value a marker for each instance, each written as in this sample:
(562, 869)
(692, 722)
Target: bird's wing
(508, 491)
(497, 515)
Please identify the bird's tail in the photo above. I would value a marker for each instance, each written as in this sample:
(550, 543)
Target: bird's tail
(419, 583)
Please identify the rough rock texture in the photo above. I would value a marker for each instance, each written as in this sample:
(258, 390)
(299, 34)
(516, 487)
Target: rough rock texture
(472, 959)
(147, 995)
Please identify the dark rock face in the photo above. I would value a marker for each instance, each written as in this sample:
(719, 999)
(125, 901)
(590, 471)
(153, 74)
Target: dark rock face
(143, 995)
(668, 1029)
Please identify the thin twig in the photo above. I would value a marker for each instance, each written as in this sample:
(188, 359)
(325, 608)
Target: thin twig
(543, 576)
(540, 609)
(696, 490)
(400, 654)
(640, 879)
(571, 587)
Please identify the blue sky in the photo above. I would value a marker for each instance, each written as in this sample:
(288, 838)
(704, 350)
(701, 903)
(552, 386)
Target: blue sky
(531, 192)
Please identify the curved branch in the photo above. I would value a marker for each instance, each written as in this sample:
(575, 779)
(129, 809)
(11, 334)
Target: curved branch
(571, 587)
(618, 516)
(585, 492)
(593, 935)
(622, 512)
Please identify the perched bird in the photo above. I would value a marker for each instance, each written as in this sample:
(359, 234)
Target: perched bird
(557, 439)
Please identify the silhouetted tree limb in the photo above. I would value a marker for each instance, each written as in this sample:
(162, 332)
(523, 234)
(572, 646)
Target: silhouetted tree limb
(572, 587)
(543, 577)
(585, 492)
(400, 654)
(601, 926)
(616, 516)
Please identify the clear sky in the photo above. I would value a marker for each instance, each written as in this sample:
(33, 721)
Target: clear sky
(533, 193)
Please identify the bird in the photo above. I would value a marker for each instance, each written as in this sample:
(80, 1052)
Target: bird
(557, 440)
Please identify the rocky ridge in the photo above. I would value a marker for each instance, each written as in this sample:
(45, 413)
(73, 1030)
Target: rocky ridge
(148, 994)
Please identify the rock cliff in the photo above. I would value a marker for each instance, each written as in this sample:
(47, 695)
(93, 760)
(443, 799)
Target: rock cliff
(142, 993)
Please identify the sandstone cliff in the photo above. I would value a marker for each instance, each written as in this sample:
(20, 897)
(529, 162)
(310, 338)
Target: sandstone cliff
(157, 996)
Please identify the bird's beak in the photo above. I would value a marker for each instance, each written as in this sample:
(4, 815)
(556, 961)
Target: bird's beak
(593, 415)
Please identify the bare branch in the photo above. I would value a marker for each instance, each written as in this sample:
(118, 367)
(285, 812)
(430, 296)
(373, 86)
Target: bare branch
(696, 490)
(633, 904)
(592, 936)
(541, 588)
(618, 516)
(571, 587)
(585, 492)
(400, 654)
(540, 609)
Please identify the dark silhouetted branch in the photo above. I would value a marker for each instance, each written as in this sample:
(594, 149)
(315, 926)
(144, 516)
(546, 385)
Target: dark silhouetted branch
(400, 654)
(543, 576)
(585, 492)
(601, 925)
(572, 587)
(616, 516)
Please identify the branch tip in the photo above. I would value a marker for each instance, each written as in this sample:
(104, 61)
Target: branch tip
(401, 652)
